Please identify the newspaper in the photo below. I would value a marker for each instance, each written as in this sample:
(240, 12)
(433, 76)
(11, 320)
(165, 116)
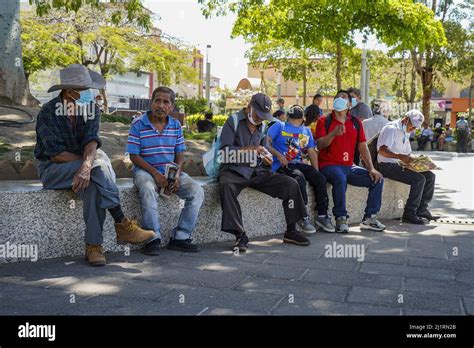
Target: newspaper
(421, 163)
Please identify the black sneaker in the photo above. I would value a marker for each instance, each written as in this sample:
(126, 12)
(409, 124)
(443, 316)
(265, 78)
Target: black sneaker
(152, 248)
(427, 215)
(412, 218)
(183, 245)
(242, 243)
(295, 237)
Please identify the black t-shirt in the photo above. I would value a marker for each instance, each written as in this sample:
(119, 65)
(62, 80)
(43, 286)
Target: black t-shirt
(205, 126)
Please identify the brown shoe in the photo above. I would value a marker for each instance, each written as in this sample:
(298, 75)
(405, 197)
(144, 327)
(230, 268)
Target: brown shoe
(95, 255)
(128, 231)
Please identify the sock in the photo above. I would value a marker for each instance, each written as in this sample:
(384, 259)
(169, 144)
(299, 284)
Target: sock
(290, 227)
(117, 213)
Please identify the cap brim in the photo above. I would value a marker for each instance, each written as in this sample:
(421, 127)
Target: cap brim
(98, 82)
(264, 115)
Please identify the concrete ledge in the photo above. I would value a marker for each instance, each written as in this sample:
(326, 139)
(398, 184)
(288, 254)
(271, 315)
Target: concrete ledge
(53, 221)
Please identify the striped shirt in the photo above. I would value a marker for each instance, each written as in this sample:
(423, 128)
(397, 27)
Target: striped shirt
(157, 149)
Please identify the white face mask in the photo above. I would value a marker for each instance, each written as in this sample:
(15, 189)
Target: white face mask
(100, 102)
(250, 118)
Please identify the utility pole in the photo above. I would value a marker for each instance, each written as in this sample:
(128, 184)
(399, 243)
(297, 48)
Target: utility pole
(363, 72)
(208, 77)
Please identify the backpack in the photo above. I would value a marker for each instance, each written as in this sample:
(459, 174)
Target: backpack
(211, 159)
(373, 152)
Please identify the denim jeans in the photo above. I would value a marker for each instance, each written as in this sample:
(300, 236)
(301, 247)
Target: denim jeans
(304, 173)
(189, 190)
(340, 176)
(101, 194)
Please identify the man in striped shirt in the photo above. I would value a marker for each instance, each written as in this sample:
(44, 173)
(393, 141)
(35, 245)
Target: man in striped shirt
(155, 140)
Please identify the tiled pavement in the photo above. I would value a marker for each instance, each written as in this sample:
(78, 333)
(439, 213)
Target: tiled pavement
(428, 270)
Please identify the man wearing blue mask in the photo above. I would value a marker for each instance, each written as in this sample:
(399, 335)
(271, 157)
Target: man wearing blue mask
(68, 157)
(339, 134)
(393, 147)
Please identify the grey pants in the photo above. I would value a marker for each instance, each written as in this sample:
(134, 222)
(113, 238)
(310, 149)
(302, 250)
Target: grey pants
(101, 194)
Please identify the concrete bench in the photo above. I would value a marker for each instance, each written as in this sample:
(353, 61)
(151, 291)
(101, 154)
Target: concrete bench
(53, 221)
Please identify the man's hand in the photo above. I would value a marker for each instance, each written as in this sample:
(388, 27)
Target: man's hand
(160, 179)
(82, 177)
(283, 161)
(338, 130)
(375, 175)
(406, 158)
(175, 186)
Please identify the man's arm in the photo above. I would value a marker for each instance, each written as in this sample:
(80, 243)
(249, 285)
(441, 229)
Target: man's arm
(83, 175)
(64, 157)
(365, 154)
(282, 159)
(159, 178)
(384, 151)
(313, 157)
(324, 142)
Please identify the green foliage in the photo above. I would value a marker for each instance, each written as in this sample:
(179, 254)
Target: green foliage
(207, 136)
(115, 118)
(45, 46)
(131, 11)
(191, 120)
(192, 105)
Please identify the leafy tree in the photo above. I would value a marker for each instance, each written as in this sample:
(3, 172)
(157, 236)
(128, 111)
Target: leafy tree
(13, 84)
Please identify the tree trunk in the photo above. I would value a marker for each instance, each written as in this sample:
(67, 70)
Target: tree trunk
(104, 97)
(427, 85)
(338, 66)
(13, 83)
(413, 82)
(471, 87)
(305, 80)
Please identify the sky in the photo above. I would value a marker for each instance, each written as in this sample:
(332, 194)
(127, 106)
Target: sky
(183, 19)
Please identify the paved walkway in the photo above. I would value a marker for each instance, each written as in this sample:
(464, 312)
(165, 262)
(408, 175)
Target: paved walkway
(408, 270)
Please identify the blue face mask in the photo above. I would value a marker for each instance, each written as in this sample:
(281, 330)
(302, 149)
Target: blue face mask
(85, 97)
(340, 104)
(354, 101)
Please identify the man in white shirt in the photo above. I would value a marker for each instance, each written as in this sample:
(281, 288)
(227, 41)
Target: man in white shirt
(393, 146)
(373, 126)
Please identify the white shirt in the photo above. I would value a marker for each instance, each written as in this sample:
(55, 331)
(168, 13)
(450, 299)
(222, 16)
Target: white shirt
(372, 126)
(395, 139)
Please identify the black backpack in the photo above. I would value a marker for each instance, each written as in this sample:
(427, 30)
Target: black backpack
(373, 152)
(356, 123)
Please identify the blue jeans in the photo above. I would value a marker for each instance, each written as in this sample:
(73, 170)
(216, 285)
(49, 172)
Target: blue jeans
(101, 194)
(189, 190)
(340, 176)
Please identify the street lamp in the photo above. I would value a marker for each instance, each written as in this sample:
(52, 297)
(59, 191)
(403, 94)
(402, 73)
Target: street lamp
(208, 76)
(363, 72)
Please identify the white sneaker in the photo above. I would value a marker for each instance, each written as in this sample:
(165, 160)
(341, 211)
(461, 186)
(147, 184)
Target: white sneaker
(371, 223)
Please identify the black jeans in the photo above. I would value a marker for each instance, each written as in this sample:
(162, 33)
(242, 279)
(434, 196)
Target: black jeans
(273, 184)
(305, 173)
(421, 185)
(461, 145)
(422, 140)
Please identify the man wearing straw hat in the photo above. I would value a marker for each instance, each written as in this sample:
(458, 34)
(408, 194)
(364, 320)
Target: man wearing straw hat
(68, 157)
